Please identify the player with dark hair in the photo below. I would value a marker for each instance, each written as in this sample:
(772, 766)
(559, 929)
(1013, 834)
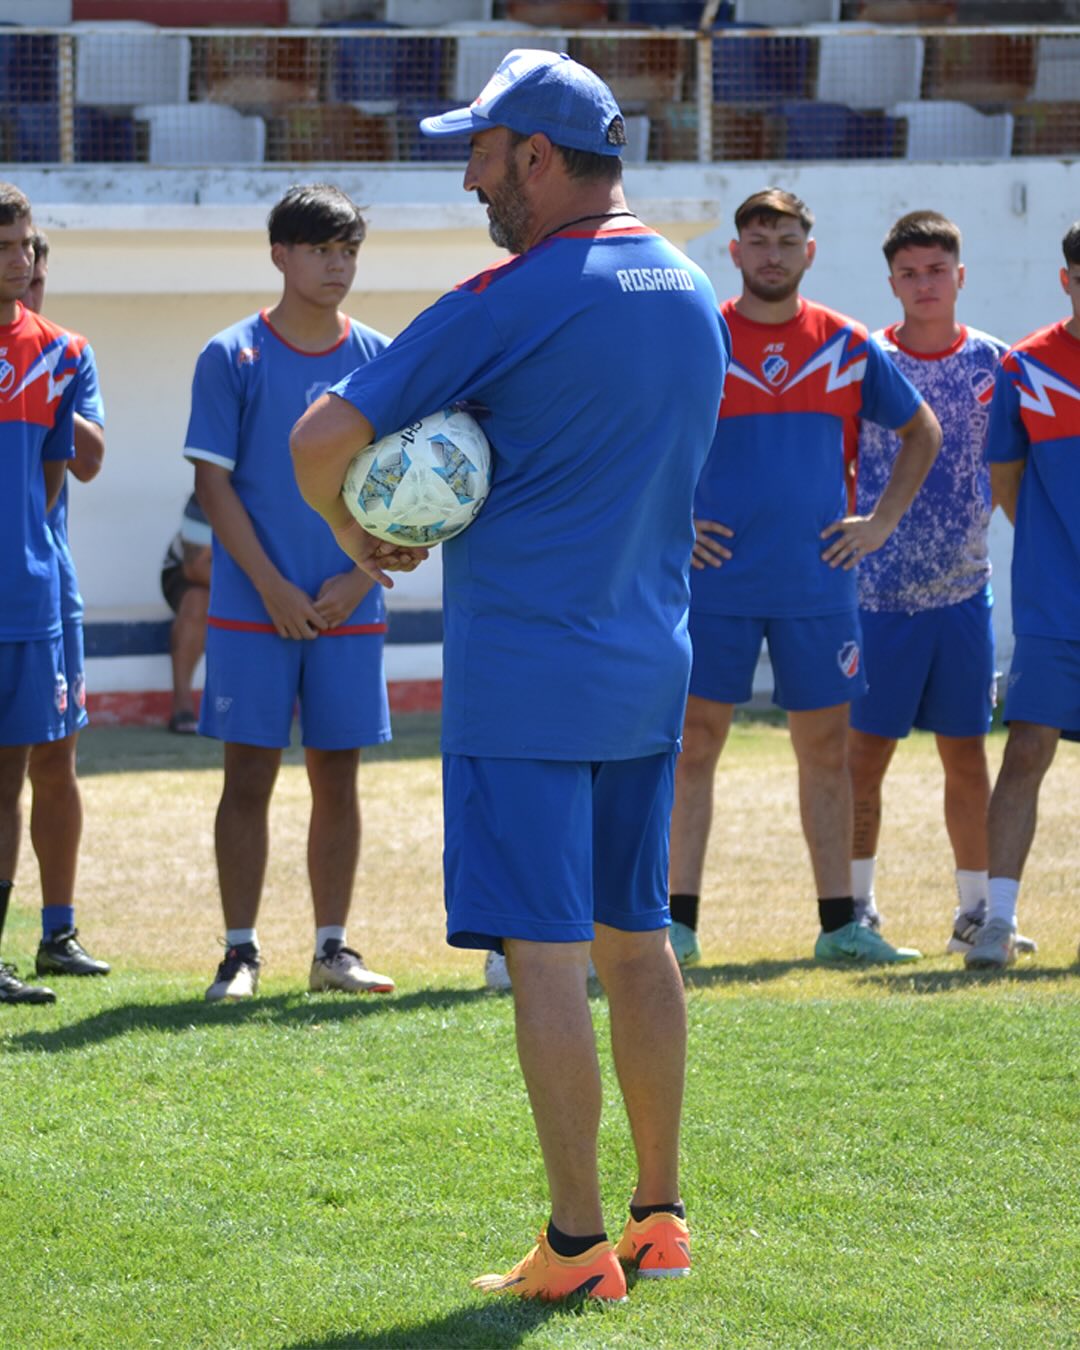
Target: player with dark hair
(38, 369)
(599, 357)
(287, 622)
(185, 584)
(924, 598)
(779, 567)
(1034, 454)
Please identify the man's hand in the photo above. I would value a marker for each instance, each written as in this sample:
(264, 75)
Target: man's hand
(373, 555)
(709, 552)
(339, 595)
(856, 536)
(291, 610)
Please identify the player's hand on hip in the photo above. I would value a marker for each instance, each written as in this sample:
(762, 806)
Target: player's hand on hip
(292, 611)
(708, 551)
(375, 556)
(852, 539)
(339, 595)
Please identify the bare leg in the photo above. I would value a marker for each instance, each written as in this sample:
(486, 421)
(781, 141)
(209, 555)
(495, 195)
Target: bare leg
(868, 758)
(557, 1050)
(704, 732)
(187, 642)
(1029, 752)
(819, 739)
(334, 832)
(967, 798)
(241, 831)
(56, 817)
(13, 760)
(648, 1039)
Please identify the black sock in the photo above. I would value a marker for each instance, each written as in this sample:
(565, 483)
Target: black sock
(684, 909)
(837, 912)
(562, 1244)
(639, 1212)
(5, 896)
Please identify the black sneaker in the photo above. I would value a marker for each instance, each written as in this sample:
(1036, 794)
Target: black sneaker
(13, 990)
(238, 975)
(62, 954)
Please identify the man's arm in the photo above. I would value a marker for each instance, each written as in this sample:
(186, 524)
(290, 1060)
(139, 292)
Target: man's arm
(323, 444)
(89, 449)
(1005, 479)
(292, 612)
(54, 470)
(856, 536)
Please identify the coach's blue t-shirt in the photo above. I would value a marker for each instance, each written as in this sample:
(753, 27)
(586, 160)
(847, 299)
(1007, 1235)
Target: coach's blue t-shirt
(600, 359)
(88, 404)
(250, 388)
(1035, 417)
(938, 555)
(776, 472)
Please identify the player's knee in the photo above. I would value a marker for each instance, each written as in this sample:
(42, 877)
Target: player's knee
(1028, 751)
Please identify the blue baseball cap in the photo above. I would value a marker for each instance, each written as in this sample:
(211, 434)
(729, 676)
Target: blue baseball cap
(541, 91)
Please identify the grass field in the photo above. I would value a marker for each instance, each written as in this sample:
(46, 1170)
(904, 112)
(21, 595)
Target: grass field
(873, 1159)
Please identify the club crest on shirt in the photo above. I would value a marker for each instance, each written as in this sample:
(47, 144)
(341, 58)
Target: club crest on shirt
(982, 386)
(60, 697)
(7, 376)
(775, 369)
(848, 659)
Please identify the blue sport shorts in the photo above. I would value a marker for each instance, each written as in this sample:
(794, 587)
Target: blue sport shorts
(816, 662)
(33, 692)
(254, 682)
(1044, 684)
(542, 849)
(933, 670)
(75, 668)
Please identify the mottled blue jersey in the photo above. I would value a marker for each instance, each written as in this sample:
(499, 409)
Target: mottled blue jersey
(38, 362)
(599, 359)
(250, 388)
(938, 555)
(776, 472)
(1036, 418)
(88, 404)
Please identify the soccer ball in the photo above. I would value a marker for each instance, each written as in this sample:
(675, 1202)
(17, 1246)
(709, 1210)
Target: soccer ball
(422, 484)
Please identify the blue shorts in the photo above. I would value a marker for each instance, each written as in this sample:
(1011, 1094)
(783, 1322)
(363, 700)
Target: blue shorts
(75, 668)
(1044, 684)
(933, 670)
(255, 680)
(816, 662)
(33, 692)
(542, 849)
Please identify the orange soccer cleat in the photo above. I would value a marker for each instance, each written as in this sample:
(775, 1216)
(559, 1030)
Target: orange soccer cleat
(545, 1275)
(658, 1246)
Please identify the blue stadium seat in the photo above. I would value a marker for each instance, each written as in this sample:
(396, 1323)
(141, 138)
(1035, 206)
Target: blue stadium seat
(373, 70)
(101, 137)
(28, 68)
(413, 145)
(811, 130)
(760, 70)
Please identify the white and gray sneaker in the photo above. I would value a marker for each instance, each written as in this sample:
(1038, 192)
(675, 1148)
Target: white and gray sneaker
(339, 967)
(968, 925)
(994, 948)
(237, 976)
(496, 975)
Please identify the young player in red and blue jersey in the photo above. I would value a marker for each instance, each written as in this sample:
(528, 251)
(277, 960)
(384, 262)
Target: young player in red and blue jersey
(1034, 454)
(288, 620)
(38, 364)
(57, 813)
(924, 598)
(775, 554)
(598, 355)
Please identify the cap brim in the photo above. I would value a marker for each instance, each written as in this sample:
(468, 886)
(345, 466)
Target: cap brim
(456, 122)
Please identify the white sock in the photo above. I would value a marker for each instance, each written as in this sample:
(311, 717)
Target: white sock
(1003, 896)
(235, 936)
(972, 888)
(331, 933)
(862, 882)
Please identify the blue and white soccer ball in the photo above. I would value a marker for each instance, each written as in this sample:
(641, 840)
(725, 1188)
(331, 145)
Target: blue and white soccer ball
(422, 484)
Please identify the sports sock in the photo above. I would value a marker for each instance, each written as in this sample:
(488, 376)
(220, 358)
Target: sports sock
(972, 888)
(640, 1212)
(862, 879)
(836, 912)
(241, 937)
(331, 932)
(684, 909)
(562, 1244)
(56, 919)
(5, 896)
(1004, 892)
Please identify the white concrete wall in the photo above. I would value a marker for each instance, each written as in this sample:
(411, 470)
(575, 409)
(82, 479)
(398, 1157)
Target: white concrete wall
(149, 263)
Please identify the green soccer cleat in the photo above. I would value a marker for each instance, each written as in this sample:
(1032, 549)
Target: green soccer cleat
(857, 945)
(684, 943)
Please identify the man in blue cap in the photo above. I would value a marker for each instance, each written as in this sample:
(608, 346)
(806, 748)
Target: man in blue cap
(596, 358)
